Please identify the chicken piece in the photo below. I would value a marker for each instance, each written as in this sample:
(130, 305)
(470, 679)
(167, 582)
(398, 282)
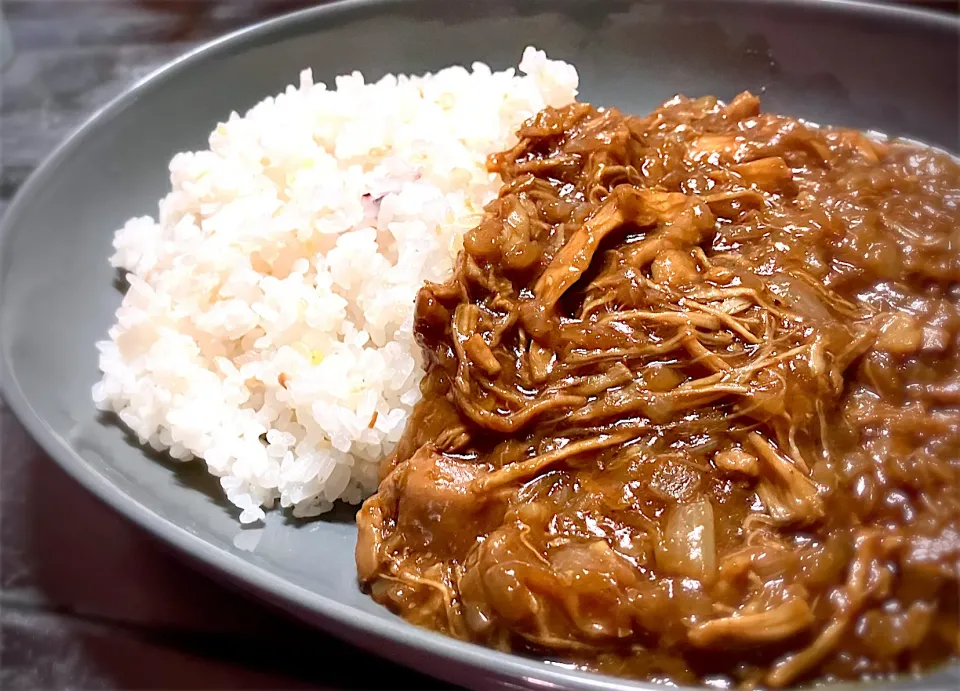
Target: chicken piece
(618, 375)
(744, 105)
(432, 315)
(772, 624)
(570, 263)
(736, 460)
(683, 221)
(769, 174)
(731, 205)
(716, 148)
(431, 420)
(371, 534)
(437, 500)
(674, 268)
(787, 493)
(899, 334)
(868, 148)
(481, 355)
(540, 361)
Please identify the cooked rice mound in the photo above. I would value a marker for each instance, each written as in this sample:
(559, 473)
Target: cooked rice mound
(267, 328)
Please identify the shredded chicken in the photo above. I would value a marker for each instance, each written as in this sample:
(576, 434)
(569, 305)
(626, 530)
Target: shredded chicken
(691, 406)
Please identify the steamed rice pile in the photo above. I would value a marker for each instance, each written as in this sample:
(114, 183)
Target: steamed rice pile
(267, 328)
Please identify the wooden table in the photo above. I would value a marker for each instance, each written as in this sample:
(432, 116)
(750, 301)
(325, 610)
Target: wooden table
(87, 599)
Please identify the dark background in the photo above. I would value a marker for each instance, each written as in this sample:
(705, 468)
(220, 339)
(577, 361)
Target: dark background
(87, 600)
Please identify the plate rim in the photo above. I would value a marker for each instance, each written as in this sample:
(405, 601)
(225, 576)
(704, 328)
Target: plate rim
(296, 599)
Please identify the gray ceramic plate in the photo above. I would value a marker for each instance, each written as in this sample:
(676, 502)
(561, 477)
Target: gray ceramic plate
(877, 68)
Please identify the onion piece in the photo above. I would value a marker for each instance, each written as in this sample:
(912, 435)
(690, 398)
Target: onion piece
(688, 545)
(801, 298)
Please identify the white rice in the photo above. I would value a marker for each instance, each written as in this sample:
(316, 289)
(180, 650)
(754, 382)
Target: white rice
(267, 328)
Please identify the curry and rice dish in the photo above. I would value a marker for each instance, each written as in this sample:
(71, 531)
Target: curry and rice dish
(691, 405)
(673, 397)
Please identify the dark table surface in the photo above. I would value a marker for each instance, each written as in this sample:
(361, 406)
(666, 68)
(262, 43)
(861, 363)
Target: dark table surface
(88, 600)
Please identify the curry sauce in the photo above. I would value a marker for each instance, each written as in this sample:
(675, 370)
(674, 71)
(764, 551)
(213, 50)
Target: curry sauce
(691, 405)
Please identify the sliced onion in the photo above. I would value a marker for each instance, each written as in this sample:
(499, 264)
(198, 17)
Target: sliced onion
(688, 545)
(801, 297)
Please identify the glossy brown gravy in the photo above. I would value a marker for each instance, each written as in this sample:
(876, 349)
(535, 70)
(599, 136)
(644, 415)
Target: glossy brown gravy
(692, 410)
